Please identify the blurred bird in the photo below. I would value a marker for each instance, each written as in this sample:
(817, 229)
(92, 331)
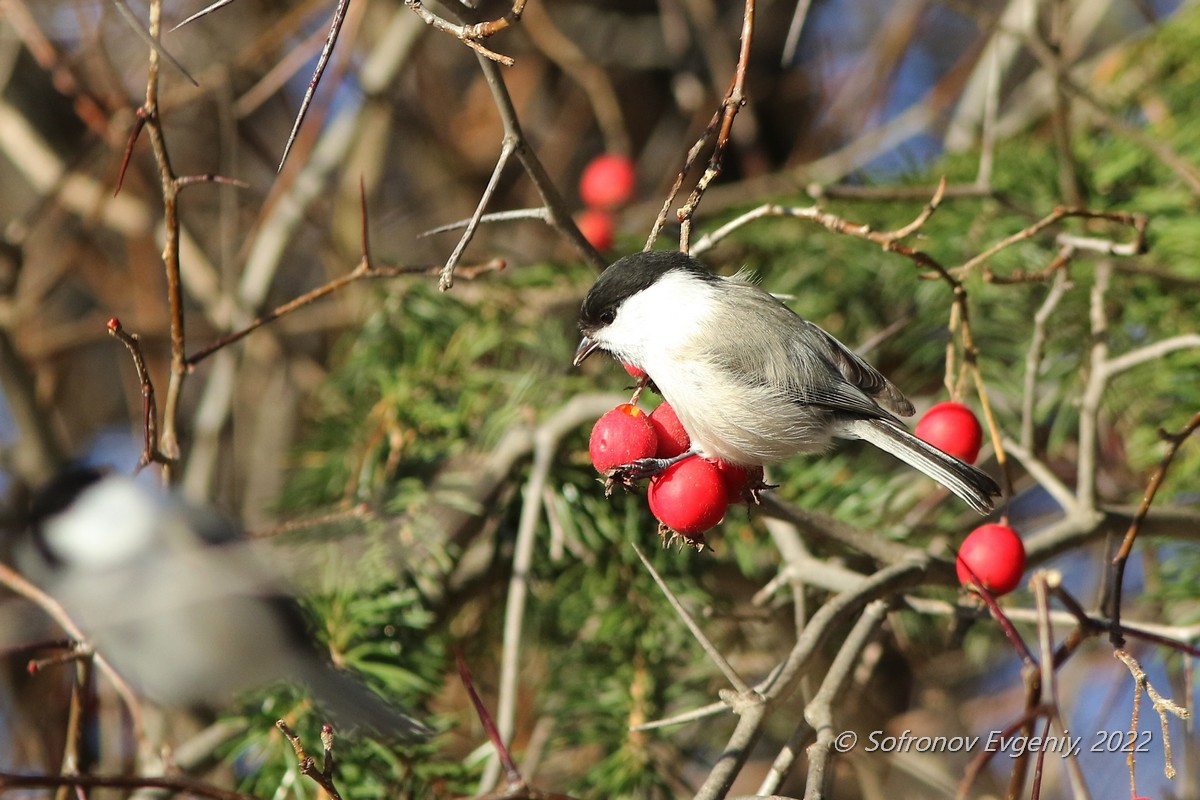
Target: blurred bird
(171, 595)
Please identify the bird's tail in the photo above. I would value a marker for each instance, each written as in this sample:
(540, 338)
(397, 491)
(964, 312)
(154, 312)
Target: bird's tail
(976, 488)
(352, 704)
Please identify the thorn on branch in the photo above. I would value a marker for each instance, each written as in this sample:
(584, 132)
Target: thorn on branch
(139, 122)
(511, 773)
(335, 28)
(203, 12)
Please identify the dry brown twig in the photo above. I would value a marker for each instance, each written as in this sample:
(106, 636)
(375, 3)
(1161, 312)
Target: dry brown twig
(732, 103)
(721, 125)
(1175, 441)
(150, 452)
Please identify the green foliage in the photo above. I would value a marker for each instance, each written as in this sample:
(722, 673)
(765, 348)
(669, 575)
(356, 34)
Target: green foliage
(428, 376)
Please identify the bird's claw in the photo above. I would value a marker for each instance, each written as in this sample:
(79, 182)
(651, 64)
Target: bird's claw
(627, 475)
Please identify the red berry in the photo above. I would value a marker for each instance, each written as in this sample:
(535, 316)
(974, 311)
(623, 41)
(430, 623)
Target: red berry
(737, 479)
(952, 428)
(597, 226)
(672, 438)
(635, 372)
(688, 496)
(621, 436)
(996, 556)
(607, 181)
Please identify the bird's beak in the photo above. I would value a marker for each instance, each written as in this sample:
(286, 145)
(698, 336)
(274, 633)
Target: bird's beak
(587, 346)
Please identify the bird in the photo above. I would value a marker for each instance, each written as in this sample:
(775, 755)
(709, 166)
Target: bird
(170, 593)
(752, 382)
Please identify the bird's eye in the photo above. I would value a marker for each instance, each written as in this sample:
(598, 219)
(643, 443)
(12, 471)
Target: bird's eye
(608, 316)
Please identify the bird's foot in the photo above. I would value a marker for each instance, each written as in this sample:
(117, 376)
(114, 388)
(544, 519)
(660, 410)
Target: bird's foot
(628, 475)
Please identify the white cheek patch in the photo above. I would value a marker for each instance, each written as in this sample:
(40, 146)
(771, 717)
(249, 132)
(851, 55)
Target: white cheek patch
(659, 320)
(108, 525)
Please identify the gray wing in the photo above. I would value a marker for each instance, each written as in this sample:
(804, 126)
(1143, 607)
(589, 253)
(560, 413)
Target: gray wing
(861, 374)
(814, 368)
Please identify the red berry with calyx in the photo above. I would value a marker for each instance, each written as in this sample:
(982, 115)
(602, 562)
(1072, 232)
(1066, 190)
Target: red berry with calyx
(673, 440)
(635, 372)
(952, 428)
(996, 556)
(597, 226)
(688, 496)
(620, 437)
(607, 181)
(738, 479)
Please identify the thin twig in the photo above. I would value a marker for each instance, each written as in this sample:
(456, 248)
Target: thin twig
(1163, 706)
(150, 451)
(168, 443)
(1138, 222)
(219, 4)
(734, 99)
(10, 781)
(364, 271)
(706, 644)
(1093, 393)
(547, 438)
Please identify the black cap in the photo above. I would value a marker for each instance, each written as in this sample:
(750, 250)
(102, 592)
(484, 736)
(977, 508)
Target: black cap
(628, 276)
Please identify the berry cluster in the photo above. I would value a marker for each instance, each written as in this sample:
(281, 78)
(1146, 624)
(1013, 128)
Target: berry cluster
(691, 495)
(607, 183)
